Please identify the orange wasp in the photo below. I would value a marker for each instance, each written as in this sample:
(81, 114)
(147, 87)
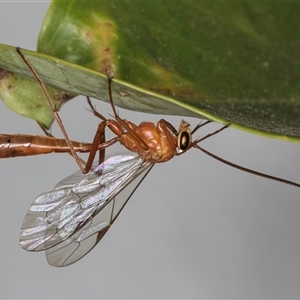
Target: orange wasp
(15, 145)
(70, 220)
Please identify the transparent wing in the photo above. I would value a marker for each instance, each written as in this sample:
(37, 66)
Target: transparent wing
(72, 218)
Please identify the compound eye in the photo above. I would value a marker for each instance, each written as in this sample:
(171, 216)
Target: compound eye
(184, 139)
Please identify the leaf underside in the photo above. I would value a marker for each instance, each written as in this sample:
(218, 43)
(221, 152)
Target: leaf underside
(234, 63)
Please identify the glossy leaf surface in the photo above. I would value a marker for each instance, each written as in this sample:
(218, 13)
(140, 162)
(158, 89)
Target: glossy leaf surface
(232, 62)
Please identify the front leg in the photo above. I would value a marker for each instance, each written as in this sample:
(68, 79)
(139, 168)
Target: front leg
(166, 128)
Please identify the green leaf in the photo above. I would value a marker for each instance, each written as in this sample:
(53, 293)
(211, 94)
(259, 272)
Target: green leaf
(233, 62)
(24, 96)
(81, 81)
